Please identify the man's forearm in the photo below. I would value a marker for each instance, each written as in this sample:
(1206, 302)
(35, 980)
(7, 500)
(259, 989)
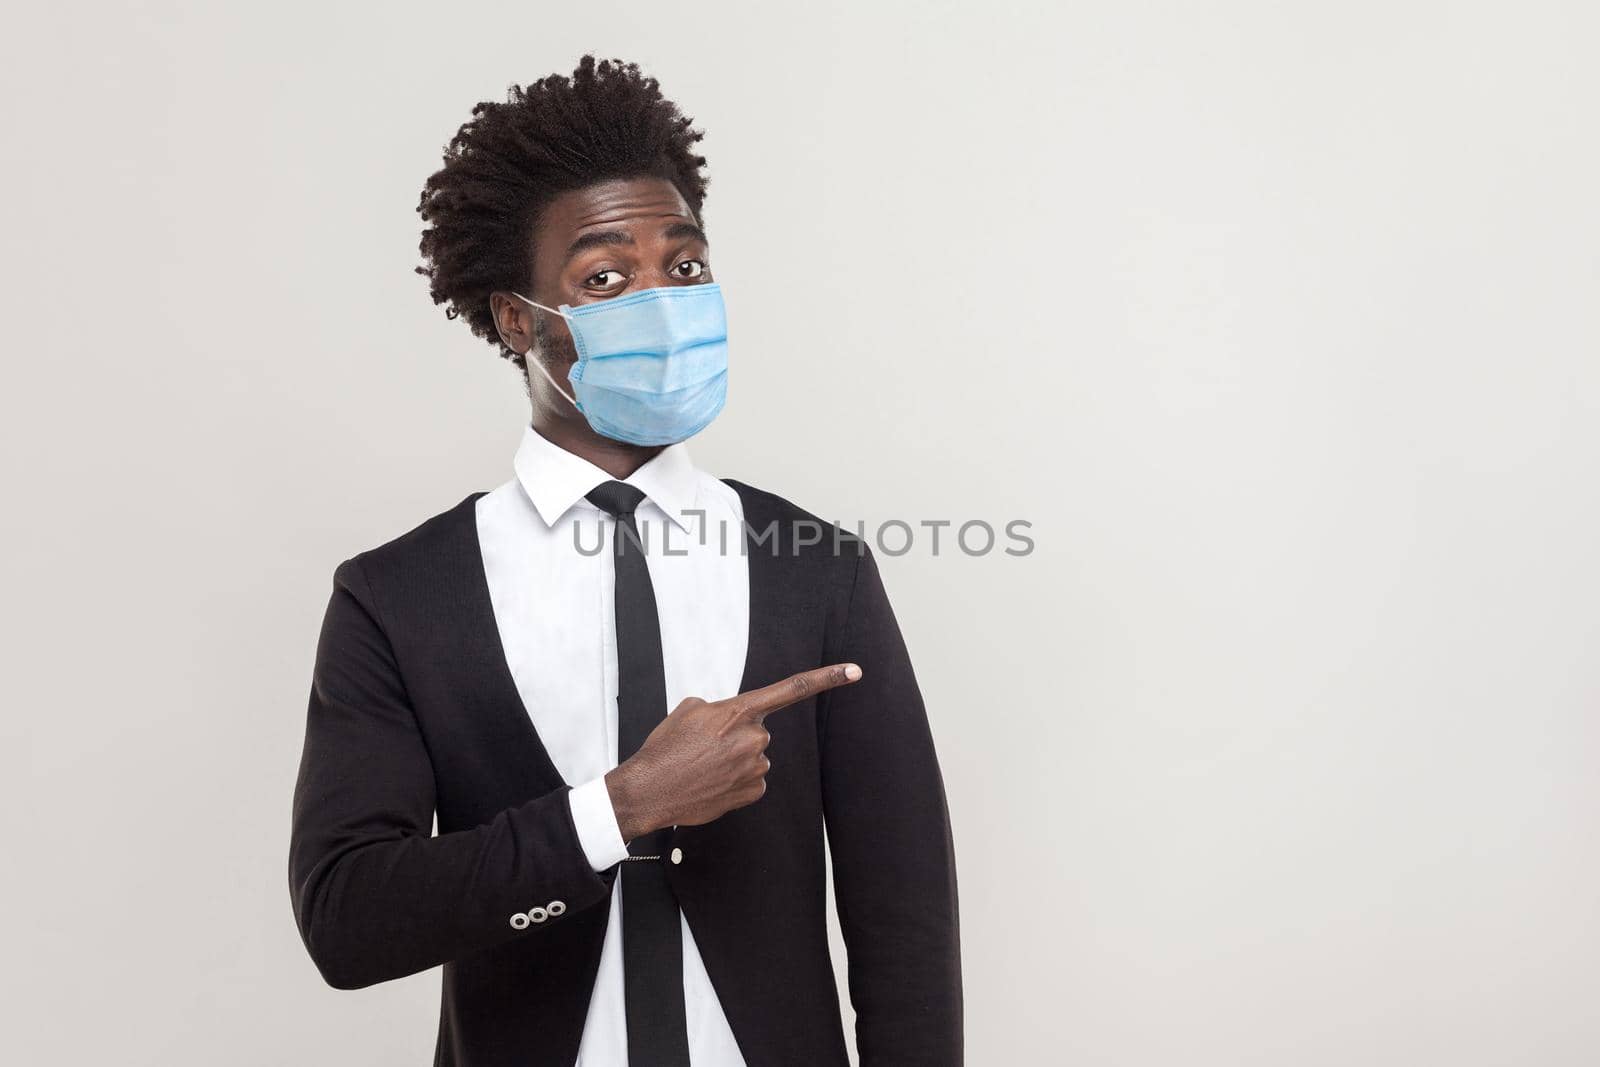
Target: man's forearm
(375, 911)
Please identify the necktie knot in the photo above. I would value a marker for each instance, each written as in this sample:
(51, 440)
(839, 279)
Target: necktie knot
(616, 498)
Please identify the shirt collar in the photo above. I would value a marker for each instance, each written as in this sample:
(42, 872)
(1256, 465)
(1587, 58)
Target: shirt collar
(555, 479)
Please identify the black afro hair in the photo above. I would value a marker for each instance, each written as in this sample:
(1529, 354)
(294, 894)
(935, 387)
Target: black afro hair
(509, 160)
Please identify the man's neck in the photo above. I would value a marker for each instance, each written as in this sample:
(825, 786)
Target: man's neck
(617, 458)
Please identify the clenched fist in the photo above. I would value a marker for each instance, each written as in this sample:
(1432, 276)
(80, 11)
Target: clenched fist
(705, 759)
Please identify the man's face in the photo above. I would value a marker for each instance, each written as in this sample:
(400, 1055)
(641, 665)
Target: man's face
(597, 243)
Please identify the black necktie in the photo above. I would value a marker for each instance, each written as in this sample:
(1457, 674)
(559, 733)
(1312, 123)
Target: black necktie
(652, 941)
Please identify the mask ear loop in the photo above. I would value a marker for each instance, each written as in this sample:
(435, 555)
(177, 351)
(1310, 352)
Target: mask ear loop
(547, 375)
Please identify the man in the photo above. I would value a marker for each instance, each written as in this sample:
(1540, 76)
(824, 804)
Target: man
(635, 696)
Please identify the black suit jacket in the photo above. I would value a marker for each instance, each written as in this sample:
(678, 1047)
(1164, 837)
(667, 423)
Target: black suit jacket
(413, 711)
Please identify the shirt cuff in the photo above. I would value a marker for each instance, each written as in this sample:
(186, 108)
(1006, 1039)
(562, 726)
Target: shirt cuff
(596, 821)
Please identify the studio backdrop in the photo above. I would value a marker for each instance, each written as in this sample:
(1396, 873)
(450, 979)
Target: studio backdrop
(1262, 340)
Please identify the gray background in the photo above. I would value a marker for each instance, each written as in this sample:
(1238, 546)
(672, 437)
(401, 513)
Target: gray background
(1277, 321)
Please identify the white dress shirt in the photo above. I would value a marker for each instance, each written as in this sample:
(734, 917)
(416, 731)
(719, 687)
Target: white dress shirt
(552, 598)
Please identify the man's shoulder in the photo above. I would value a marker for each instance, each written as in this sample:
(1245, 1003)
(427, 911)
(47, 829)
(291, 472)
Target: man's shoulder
(435, 543)
(787, 529)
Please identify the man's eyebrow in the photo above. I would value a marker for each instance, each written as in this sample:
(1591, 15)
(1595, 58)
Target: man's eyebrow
(599, 239)
(685, 229)
(605, 238)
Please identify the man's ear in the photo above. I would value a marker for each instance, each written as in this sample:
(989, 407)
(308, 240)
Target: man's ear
(512, 321)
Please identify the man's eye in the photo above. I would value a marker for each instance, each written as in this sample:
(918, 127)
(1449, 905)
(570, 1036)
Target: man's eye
(689, 268)
(606, 279)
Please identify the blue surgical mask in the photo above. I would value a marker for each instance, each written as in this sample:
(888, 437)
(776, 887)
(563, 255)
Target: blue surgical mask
(652, 366)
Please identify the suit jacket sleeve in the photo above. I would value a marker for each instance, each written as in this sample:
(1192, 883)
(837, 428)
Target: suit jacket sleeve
(889, 834)
(375, 894)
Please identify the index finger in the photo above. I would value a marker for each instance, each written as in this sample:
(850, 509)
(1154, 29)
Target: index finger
(757, 704)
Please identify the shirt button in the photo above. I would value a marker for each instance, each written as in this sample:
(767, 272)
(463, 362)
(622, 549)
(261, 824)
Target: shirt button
(556, 907)
(519, 921)
(538, 915)
(677, 855)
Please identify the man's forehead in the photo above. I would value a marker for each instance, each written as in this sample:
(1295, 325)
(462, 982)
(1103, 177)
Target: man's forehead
(611, 202)
(646, 205)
